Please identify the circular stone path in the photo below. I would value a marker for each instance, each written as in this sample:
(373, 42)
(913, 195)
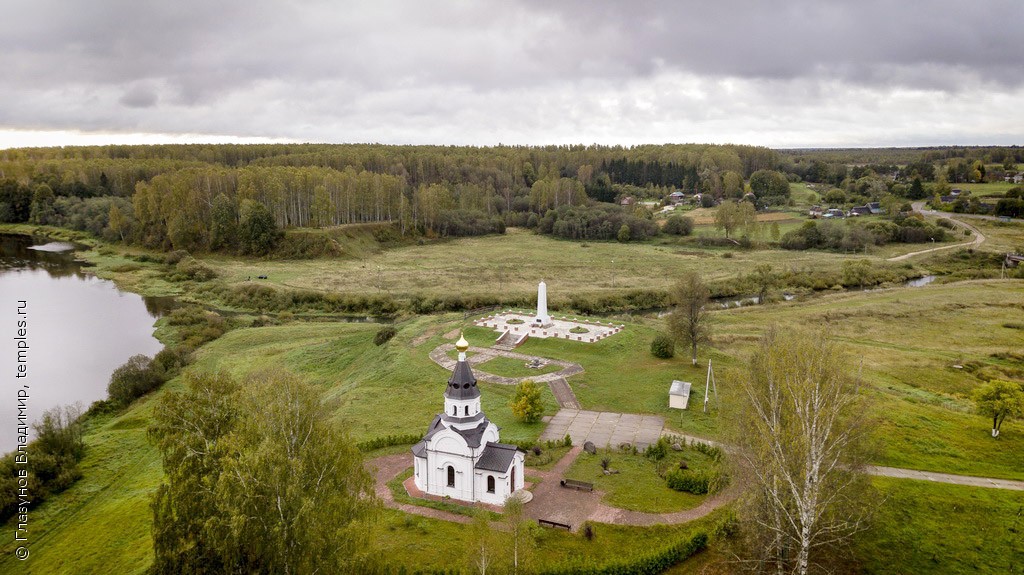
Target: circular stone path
(483, 354)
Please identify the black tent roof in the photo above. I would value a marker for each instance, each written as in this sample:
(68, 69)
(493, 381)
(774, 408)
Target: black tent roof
(462, 383)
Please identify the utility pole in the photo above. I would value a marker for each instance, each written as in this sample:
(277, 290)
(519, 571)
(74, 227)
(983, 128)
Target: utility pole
(708, 385)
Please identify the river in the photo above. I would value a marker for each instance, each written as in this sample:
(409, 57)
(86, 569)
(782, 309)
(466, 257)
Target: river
(77, 329)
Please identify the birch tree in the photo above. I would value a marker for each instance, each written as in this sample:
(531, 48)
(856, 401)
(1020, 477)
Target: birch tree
(802, 438)
(520, 535)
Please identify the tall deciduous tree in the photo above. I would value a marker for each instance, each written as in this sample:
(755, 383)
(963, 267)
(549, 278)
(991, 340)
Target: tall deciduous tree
(770, 187)
(802, 437)
(258, 233)
(520, 535)
(1000, 399)
(224, 223)
(731, 216)
(258, 481)
(690, 322)
(764, 280)
(485, 552)
(189, 529)
(295, 488)
(41, 211)
(116, 221)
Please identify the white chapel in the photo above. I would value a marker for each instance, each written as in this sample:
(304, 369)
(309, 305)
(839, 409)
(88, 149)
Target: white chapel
(460, 456)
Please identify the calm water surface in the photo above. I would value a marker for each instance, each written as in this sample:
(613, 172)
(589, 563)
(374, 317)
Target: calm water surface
(79, 329)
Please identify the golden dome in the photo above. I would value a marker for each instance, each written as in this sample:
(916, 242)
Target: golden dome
(462, 345)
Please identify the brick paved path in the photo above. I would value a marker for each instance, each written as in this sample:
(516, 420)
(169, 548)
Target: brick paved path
(550, 500)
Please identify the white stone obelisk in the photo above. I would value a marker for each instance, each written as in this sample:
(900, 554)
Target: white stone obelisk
(542, 305)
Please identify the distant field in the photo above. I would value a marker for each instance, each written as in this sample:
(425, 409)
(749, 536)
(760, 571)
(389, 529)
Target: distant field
(1000, 236)
(515, 262)
(986, 189)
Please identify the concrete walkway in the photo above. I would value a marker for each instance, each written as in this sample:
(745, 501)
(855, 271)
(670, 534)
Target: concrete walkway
(563, 393)
(969, 480)
(604, 428)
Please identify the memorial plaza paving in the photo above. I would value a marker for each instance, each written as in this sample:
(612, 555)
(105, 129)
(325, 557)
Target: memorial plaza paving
(604, 428)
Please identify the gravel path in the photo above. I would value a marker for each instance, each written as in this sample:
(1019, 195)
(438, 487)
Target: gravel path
(979, 237)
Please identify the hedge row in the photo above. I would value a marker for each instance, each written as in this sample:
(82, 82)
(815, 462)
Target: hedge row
(388, 441)
(641, 564)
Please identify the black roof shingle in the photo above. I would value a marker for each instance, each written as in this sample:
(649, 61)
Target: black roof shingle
(497, 457)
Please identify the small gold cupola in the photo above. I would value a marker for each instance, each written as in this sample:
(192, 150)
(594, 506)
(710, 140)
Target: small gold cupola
(462, 345)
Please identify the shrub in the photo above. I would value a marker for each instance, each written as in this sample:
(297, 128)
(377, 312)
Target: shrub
(678, 225)
(176, 256)
(658, 450)
(643, 563)
(189, 269)
(137, 377)
(663, 346)
(387, 441)
(526, 404)
(384, 335)
(690, 481)
(172, 359)
(715, 453)
(52, 461)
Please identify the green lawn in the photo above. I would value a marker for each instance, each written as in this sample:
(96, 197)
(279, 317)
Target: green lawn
(511, 367)
(638, 486)
(376, 390)
(925, 527)
(423, 543)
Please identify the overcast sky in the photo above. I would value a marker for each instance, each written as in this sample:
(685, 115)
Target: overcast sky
(782, 74)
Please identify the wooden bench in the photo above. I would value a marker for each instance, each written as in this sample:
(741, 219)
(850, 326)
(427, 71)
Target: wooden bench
(554, 524)
(577, 485)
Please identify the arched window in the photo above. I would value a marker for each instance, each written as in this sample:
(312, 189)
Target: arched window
(451, 476)
(455, 410)
(467, 410)
(490, 484)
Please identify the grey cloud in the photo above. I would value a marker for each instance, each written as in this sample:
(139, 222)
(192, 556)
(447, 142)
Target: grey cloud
(139, 97)
(463, 72)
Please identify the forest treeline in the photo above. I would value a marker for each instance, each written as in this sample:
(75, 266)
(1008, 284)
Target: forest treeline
(236, 198)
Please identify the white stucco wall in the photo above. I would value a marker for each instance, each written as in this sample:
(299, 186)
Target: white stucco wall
(460, 405)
